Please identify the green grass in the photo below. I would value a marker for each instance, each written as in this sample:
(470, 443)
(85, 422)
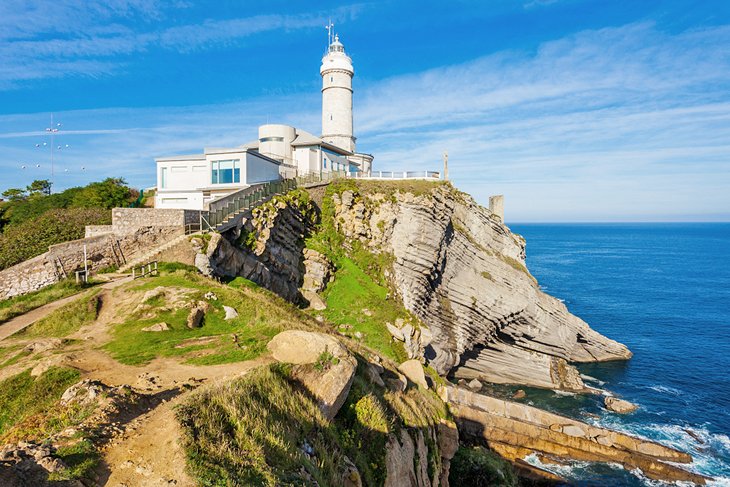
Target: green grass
(80, 458)
(65, 320)
(250, 432)
(351, 292)
(22, 396)
(261, 315)
(18, 305)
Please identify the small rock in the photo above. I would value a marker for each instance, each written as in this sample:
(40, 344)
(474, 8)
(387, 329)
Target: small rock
(210, 296)
(195, 318)
(619, 405)
(358, 335)
(161, 326)
(231, 314)
(397, 333)
(367, 312)
(520, 394)
(475, 385)
(414, 371)
(573, 430)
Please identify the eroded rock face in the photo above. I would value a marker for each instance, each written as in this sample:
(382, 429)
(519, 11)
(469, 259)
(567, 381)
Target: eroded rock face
(516, 430)
(274, 258)
(619, 405)
(461, 271)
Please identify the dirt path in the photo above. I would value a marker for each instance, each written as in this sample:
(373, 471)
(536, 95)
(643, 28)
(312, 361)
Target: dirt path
(148, 453)
(23, 321)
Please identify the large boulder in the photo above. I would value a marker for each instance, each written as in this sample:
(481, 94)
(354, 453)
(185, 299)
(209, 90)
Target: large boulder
(324, 367)
(304, 347)
(414, 371)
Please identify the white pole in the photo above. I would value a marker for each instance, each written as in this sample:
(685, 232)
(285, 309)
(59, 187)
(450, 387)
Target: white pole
(86, 266)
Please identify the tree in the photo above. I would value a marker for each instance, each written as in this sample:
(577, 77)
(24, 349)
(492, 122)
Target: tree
(40, 186)
(14, 194)
(110, 193)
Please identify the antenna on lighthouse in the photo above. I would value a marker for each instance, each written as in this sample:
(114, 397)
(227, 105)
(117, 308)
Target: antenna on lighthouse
(330, 30)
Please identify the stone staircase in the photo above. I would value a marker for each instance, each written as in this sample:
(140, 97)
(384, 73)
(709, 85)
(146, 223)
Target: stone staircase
(152, 253)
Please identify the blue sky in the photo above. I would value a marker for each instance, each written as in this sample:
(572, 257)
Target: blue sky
(574, 110)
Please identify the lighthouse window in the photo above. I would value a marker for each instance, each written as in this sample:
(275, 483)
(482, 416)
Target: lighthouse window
(330, 117)
(332, 79)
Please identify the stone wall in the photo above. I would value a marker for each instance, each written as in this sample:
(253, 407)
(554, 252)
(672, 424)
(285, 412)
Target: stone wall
(95, 230)
(63, 260)
(129, 220)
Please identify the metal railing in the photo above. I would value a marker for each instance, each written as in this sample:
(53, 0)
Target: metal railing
(397, 175)
(223, 209)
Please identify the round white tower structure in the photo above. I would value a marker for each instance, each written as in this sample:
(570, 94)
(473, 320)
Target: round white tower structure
(337, 73)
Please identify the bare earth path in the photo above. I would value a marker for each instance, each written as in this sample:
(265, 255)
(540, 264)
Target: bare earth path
(148, 453)
(19, 322)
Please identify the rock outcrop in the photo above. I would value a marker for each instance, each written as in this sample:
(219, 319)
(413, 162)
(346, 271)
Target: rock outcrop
(516, 430)
(461, 271)
(324, 366)
(267, 249)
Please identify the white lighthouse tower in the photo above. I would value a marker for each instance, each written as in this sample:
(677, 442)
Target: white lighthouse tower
(337, 73)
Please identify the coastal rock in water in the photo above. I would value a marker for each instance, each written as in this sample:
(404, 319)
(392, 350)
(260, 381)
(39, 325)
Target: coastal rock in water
(619, 405)
(461, 271)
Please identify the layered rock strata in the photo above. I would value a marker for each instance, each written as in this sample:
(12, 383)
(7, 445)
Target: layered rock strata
(516, 430)
(461, 271)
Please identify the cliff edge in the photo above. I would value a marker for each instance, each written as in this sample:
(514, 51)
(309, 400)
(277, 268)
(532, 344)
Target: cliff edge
(462, 272)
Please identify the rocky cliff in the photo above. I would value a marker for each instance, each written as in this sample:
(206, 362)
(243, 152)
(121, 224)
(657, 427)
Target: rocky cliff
(461, 271)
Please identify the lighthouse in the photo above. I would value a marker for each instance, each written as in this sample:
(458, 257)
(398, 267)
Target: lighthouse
(337, 73)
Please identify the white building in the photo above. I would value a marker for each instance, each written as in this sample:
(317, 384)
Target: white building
(281, 151)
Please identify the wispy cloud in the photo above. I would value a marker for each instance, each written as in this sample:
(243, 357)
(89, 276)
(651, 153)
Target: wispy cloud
(612, 124)
(44, 39)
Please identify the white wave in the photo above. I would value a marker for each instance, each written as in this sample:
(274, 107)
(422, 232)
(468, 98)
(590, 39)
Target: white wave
(666, 390)
(564, 393)
(588, 378)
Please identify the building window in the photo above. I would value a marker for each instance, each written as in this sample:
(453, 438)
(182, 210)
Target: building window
(330, 116)
(226, 172)
(331, 79)
(163, 178)
(272, 139)
(324, 161)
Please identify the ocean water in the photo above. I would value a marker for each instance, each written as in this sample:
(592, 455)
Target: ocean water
(664, 291)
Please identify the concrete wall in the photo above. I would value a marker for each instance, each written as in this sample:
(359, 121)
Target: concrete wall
(184, 174)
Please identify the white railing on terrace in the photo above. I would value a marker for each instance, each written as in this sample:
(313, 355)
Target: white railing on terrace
(397, 175)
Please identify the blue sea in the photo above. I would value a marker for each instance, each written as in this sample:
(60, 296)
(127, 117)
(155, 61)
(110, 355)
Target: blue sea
(664, 291)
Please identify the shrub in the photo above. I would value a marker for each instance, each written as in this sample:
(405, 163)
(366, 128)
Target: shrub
(33, 237)
(478, 467)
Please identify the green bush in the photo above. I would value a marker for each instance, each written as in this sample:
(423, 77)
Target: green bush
(33, 237)
(478, 467)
